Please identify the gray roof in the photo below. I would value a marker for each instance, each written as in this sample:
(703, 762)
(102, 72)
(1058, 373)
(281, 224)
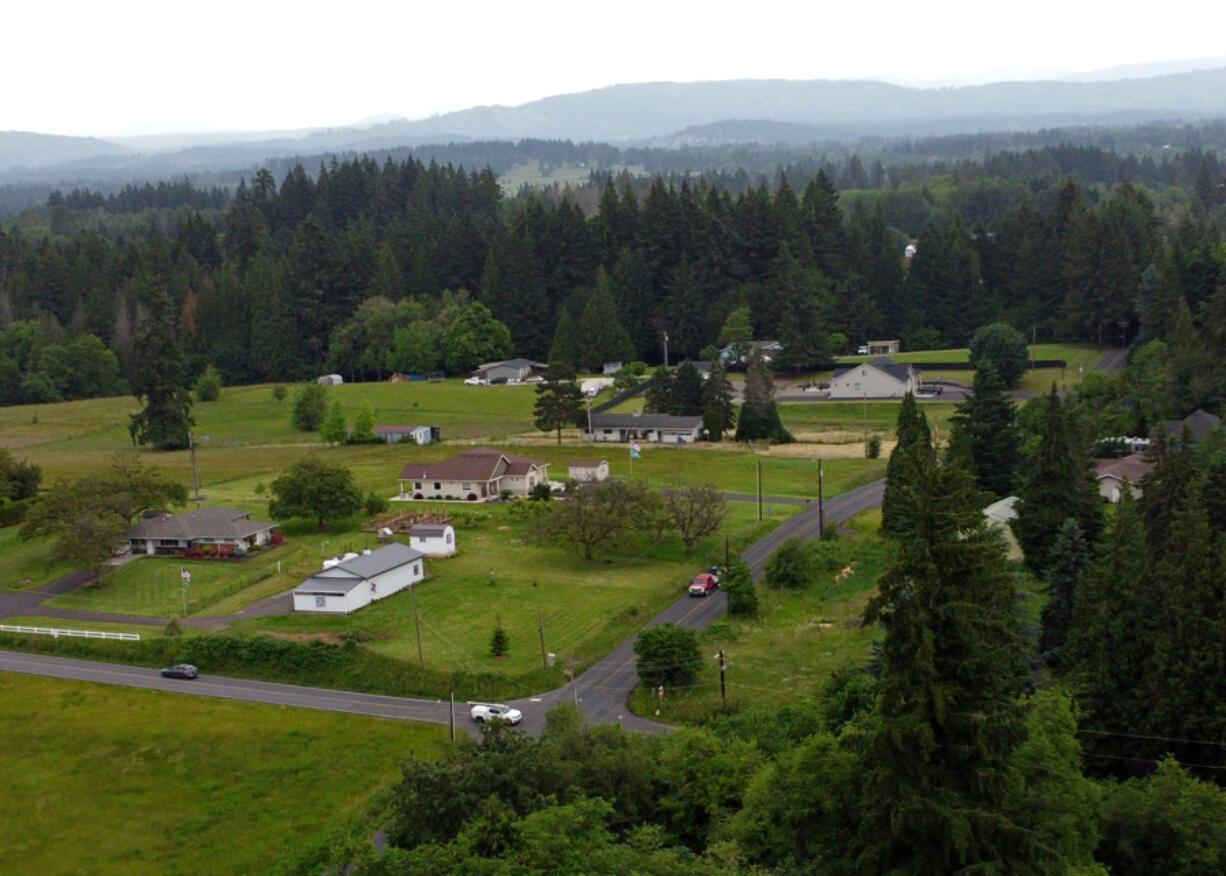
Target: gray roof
(1199, 424)
(343, 577)
(644, 421)
(428, 530)
(321, 586)
(205, 523)
(900, 371)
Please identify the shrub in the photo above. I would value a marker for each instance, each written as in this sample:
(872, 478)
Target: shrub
(208, 385)
(541, 493)
(172, 627)
(738, 585)
(1005, 348)
(279, 392)
(374, 504)
(277, 538)
(499, 641)
(668, 656)
(872, 448)
(791, 566)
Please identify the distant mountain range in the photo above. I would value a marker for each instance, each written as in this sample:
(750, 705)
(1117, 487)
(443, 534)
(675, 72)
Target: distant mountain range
(664, 114)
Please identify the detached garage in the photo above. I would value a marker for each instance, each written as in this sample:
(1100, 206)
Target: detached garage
(344, 587)
(434, 540)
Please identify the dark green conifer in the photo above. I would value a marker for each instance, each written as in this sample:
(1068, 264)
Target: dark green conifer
(914, 447)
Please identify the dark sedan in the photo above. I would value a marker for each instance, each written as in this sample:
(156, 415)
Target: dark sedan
(180, 670)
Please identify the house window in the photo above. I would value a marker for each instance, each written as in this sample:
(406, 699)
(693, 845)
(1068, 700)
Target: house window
(417, 485)
(416, 568)
(448, 538)
(437, 486)
(468, 486)
(321, 602)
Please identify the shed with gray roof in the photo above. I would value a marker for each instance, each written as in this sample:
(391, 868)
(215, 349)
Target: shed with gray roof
(344, 586)
(433, 539)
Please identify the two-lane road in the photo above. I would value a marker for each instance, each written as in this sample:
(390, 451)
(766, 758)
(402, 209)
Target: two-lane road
(601, 691)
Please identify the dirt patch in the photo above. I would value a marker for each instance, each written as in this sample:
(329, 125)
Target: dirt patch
(825, 451)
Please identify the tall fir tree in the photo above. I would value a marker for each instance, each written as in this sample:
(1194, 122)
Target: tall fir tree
(686, 396)
(759, 415)
(949, 716)
(159, 377)
(718, 408)
(601, 335)
(1069, 557)
(559, 401)
(565, 346)
(988, 418)
(914, 443)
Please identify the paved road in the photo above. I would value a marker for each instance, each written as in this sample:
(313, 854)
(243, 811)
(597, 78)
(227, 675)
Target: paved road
(601, 691)
(1112, 362)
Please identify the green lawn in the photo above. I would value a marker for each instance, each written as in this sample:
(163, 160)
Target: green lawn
(851, 417)
(28, 564)
(787, 653)
(1040, 380)
(499, 574)
(105, 779)
(63, 623)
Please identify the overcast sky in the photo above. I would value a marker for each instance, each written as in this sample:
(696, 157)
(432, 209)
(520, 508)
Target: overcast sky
(135, 67)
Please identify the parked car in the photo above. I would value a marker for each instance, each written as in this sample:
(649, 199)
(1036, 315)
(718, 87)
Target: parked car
(180, 670)
(482, 712)
(497, 381)
(475, 381)
(931, 389)
(704, 584)
(861, 351)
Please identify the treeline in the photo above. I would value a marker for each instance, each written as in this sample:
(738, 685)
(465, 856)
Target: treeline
(134, 199)
(265, 290)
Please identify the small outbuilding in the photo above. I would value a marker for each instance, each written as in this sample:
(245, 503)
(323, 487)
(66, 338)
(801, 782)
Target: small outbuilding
(344, 586)
(330, 380)
(433, 539)
(397, 434)
(589, 470)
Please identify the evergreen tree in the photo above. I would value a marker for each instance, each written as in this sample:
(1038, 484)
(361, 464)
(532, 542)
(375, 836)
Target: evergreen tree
(988, 418)
(565, 346)
(686, 398)
(718, 408)
(559, 401)
(1168, 488)
(805, 303)
(1068, 560)
(601, 336)
(759, 416)
(1057, 482)
(737, 333)
(364, 425)
(949, 717)
(913, 448)
(158, 376)
(657, 396)
(334, 429)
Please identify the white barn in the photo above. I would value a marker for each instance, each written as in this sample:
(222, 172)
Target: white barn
(433, 539)
(880, 378)
(344, 587)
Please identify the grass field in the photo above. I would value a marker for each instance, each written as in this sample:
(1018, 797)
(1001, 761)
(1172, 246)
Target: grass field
(27, 564)
(63, 623)
(787, 653)
(851, 417)
(1076, 356)
(104, 779)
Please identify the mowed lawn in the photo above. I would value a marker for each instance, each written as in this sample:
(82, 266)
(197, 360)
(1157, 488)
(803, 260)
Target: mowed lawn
(104, 779)
(28, 564)
(501, 575)
(789, 651)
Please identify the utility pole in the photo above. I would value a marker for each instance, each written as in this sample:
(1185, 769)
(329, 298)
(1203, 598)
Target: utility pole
(191, 443)
(759, 491)
(570, 673)
(451, 696)
(666, 351)
(821, 508)
(727, 561)
(723, 687)
(590, 434)
(421, 661)
(540, 626)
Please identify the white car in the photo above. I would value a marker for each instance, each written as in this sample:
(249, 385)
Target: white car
(482, 712)
(475, 381)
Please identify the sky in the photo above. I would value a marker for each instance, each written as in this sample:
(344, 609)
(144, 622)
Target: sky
(134, 67)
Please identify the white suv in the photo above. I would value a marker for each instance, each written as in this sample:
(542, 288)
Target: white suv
(482, 712)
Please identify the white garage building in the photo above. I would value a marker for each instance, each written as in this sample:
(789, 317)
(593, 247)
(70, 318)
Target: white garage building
(433, 539)
(345, 586)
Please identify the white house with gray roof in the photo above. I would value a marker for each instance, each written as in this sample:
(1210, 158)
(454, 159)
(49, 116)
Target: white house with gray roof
(344, 587)
(653, 428)
(219, 527)
(879, 378)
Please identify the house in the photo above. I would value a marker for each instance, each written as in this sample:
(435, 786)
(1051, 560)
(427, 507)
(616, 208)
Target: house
(589, 470)
(610, 368)
(433, 539)
(1200, 424)
(475, 475)
(223, 527)
(330, 380)
(884, 348)
(769, 350)
(416, 434)
(880, 378)
(345, 585)
(512, 370)
(1000, 515)
(656, 428)
(1113, 474)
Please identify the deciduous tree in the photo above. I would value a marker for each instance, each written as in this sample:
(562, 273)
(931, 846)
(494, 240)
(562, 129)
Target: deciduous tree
(314, 489)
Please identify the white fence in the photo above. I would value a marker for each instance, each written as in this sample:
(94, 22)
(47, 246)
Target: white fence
(80, 634)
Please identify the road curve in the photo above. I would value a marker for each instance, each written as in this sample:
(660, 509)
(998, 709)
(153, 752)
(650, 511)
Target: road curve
(601, 692)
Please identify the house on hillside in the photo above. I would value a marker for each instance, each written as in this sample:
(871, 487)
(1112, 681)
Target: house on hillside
(416, 434)
(512, 370)
(433, 539)
(343, 586)
(588, 470)
(217, 527)
(611, 368)
(880, 378)
(655, 428)
(884, 348)
(478, 475)
(1114, 474)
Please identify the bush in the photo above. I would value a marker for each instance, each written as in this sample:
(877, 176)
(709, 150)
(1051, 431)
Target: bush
(208, 385)
(14, 512)
(791, 566)
(279, 393)
(374, 504)
(738, 585)
(173, 630)
(310, 407)
(872, 447)
(499, 641)
(541, 493)
(668, 656)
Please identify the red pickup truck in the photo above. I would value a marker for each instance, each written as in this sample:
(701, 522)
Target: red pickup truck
(704, 584)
